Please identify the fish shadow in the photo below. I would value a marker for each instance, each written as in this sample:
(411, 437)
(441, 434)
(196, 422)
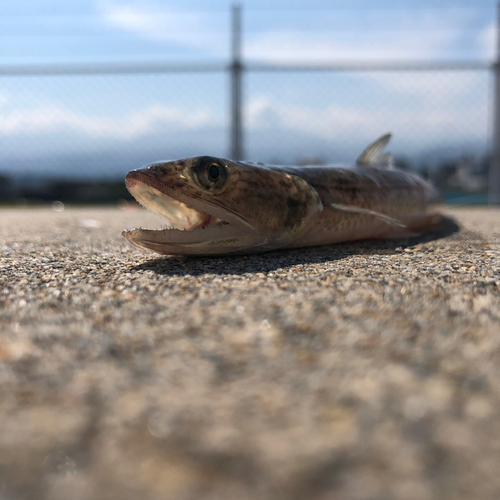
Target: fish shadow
(281, 259)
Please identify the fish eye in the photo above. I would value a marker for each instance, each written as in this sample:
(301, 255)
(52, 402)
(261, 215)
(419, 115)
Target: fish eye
(213, 172)
(210, 173)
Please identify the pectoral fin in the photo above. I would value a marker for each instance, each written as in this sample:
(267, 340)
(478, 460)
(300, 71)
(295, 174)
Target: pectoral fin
(372, 155)
(366, 211)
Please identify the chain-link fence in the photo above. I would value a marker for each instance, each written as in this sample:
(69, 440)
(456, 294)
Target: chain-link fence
(100, 122)
(434, 115)
(104, 125)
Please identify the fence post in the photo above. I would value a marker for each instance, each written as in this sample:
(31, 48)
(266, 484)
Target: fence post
(236, 70)
(494, 177)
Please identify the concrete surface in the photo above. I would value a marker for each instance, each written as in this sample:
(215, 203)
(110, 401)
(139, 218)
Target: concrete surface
(358, 371)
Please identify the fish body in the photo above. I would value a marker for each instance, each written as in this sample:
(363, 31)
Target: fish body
(364, 203)
(215, 206)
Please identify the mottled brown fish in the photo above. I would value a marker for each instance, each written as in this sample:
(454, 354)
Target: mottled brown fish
(215, 206)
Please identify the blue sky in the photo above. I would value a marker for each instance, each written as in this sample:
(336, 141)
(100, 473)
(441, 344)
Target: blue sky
(72, 125)
(50, 31)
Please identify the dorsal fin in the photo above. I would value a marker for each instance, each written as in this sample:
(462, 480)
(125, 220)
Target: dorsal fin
(372, 155)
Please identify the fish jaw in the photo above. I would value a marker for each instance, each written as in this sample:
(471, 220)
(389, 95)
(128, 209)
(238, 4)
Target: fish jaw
(194, 226)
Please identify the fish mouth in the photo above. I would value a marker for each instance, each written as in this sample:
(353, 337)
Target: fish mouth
(193, 224)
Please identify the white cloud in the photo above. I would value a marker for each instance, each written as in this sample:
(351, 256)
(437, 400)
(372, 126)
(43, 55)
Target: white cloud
(447, 112)
(436, 90)
(488, 41)
(154, 21)
(366, 35)
(413, 105)
(55, 119)
(339, 35)
(3, 99)
(344, 123)
(286, 46)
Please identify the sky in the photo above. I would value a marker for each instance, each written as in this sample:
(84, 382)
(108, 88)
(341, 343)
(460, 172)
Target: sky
(104, 125)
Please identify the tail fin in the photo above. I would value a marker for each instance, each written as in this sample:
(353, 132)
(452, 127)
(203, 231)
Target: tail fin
(372, 155)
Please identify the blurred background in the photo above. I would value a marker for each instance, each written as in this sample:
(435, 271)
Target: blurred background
(90, 90)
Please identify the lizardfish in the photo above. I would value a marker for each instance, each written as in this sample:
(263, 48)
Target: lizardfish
(215, 206)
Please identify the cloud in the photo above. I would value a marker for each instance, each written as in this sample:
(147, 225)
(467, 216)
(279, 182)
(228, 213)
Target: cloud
(331, 35)
(365, 35)
(347, 123)
(287, 46)
(434, 90)
(154, 21)
(487, 41)
(3, 99)
(431, 107)
(53, 119)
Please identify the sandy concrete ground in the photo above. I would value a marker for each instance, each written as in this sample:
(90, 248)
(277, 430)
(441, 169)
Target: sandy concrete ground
(360, 371)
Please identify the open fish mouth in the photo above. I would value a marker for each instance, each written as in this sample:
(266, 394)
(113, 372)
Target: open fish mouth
(190, 222)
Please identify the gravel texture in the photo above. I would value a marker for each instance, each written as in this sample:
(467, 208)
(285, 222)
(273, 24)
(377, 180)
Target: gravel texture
(360, 371)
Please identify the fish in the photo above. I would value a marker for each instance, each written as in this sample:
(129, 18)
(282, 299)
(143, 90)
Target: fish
(214, 206)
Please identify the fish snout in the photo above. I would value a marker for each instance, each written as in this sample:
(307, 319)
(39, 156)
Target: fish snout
(152, 172)
(160, 175)
(155, 169)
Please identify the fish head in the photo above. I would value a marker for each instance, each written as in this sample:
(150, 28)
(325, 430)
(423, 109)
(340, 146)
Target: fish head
(217, 206)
